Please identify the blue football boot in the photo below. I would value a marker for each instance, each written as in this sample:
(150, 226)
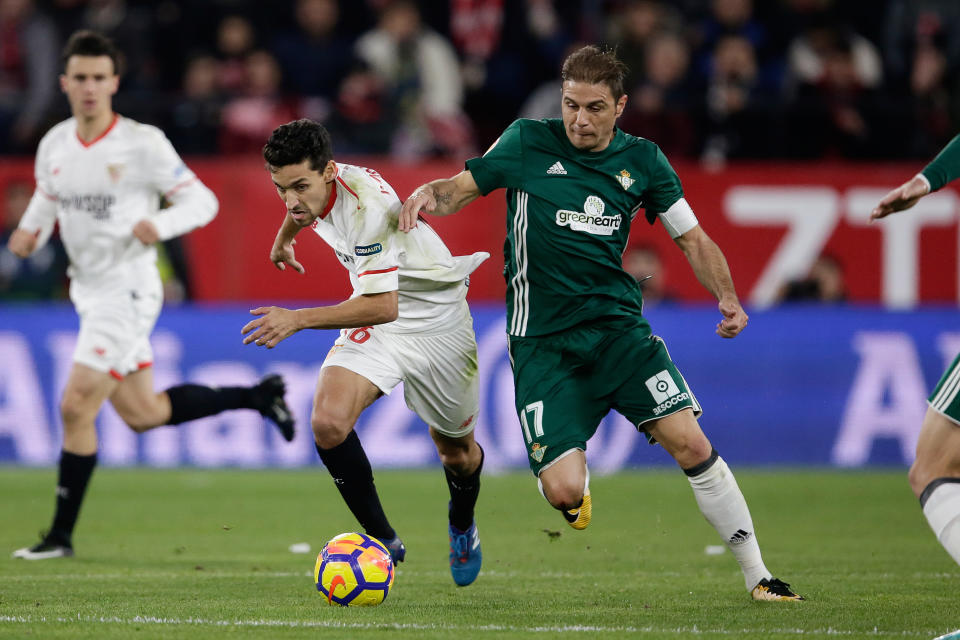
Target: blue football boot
(465, 554)
(396, 549)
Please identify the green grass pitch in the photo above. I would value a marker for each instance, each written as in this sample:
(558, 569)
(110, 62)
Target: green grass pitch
(198, 554)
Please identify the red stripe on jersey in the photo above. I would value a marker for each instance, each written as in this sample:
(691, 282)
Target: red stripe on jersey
(100, 137)
(374, 271)
(340, 180)
(332, 200)
(180, 186)
(143, 365)
(46, 195)
(116, 375)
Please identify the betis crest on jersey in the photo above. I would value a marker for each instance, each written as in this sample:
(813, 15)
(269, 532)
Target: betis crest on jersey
(624, 179)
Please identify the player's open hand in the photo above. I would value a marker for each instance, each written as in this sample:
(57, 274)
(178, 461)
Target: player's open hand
(282, 255)
(734, 319)
(420, 200)
(146, 232)
(274, 325)
(903, 197)
(22, 243)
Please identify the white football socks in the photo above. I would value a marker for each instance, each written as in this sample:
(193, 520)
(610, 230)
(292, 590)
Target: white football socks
(723, 505)
(942, 509)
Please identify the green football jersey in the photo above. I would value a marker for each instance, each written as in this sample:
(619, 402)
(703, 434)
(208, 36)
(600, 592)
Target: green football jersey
(568, 219)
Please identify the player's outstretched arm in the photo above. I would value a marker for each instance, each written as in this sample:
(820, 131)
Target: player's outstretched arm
(275, 324)
(439, 198)
(710, 267)
(943, 169)
(903, 197)
(282, 253)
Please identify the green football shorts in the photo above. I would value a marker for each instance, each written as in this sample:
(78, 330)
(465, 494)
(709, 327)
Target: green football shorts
(945, 398)
(566, 383)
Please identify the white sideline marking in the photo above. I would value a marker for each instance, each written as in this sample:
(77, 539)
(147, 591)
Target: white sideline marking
(332, 624)
(490, 573)
(207, 573)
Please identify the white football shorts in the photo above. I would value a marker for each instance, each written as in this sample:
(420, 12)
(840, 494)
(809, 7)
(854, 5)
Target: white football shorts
(438, 370)
(117, 316)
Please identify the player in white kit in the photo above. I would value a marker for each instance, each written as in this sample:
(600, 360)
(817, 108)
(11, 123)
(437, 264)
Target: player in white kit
(407, 320)
(101, 177)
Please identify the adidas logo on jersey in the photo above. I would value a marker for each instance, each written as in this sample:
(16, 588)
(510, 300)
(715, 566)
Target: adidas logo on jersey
(556, 170)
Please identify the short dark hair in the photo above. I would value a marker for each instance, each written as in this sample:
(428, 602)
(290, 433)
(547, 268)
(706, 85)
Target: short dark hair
(296, 141)
(594, 65)
(91, 43)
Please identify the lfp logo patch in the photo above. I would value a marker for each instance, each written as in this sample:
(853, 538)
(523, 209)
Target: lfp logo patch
(662, 386)
(665, 392)
(368, 250)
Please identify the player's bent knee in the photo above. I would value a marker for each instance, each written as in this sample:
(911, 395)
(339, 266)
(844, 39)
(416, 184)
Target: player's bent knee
(69, 412)
(460, 464)
(139, 423)
(692, 452)
(457, 459)
(74, 408)
(919, 477)
(329, 430)
(563, 495)
(147, 413)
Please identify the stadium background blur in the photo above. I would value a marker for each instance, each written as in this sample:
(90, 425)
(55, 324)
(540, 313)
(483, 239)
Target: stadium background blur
(786, 120)
(710, 79)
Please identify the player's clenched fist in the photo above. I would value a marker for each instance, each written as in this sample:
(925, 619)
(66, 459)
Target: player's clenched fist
(734, 319)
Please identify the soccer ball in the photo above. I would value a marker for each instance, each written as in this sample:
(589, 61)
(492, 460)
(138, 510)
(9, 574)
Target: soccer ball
(354, 570)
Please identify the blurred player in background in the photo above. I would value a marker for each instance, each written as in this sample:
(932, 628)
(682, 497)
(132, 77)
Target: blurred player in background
(101, 177)
(407, 321)
(578, 342)
(935, 473)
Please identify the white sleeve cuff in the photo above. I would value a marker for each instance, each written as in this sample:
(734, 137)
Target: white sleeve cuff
(679, 218)
(378, 281)
(924, 178)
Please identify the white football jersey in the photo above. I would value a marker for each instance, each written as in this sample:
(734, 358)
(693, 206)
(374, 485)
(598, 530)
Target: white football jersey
(99, 190)
(360, 223)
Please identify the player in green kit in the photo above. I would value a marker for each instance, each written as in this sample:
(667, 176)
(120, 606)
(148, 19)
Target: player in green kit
(935, 473)
(578, 342)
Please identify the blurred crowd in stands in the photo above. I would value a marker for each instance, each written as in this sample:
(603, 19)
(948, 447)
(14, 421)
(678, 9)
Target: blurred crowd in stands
(714, 80)
(710, 80)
